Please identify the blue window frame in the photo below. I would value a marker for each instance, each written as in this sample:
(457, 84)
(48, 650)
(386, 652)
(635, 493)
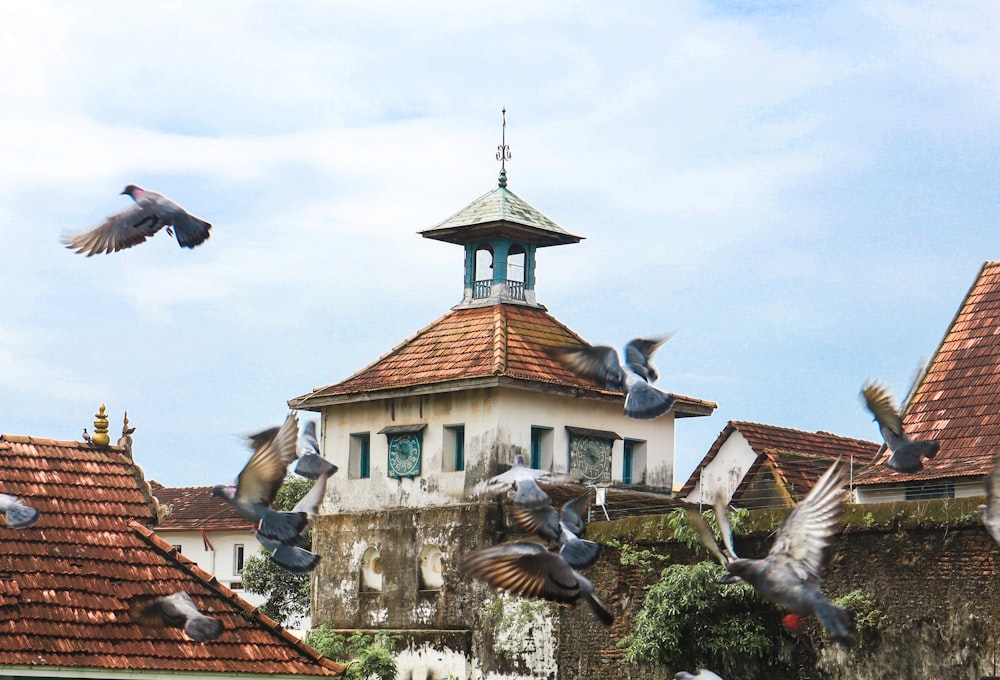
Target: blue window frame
(627, 462)
(459, 447)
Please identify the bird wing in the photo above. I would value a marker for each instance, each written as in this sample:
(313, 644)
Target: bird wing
(16, 514)
(533, 513)
(639, 355)
(525, 569)
(991, 511)
(170, 611)
(260, 479)
(705, 536)
(880, 402)
(573, 512)
(120, 230)
(804, 535)
(599, 363)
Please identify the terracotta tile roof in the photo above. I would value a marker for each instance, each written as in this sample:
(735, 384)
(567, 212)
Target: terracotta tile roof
(195, 508)
(771, 438)
(795, 473)
(67, 583)
(499, 341)
(958, 399)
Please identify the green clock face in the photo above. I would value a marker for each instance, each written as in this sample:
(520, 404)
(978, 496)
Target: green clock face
(592, 457)
(404, 455)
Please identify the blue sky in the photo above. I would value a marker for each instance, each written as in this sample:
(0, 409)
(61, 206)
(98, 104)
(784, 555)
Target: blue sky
(802, 191)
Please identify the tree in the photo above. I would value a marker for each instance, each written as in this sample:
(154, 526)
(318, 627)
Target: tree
(288, 595)
(365, 658)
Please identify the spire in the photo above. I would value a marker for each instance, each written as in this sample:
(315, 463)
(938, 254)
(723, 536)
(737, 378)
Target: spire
(503, 151)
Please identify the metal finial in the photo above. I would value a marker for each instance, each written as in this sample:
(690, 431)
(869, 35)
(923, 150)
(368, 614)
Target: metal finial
(503, 151)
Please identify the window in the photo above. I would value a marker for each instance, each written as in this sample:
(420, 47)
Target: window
(238, 558)
(236, 585)
(918, 491)
(541, 448)
(453, 448)
(371, 570)
(359, 456)
(177, 548)
(634, 461)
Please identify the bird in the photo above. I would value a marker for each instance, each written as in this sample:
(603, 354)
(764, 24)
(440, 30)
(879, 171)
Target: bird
(632, 375)
(148, 213)
(532, 511)
(906, 453)
(177, 611)
(259, 481)
(793, 570)
(503, 482)
(529, 570)
(17, 514)
(702, 674)
(86, 437)
(990, 511)
(311, 464)
(287, 554)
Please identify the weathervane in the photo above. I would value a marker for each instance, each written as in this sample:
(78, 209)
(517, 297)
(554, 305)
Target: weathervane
(503, 151)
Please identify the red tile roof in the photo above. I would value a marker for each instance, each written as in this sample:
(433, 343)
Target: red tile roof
(67, 583)
(194, 508)
(499, 341)
(794, 472)
(771, 438)
(958, 399)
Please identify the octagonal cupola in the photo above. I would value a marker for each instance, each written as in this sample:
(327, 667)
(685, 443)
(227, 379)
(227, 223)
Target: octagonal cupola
(500, 232)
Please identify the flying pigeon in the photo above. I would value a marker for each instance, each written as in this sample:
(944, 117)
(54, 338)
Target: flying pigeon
(703, 674)
(532, 511)
(288, 555)
(633, 375)
(17, 514)
(259, 481)
(494, 486)
(793, 571)
(149, 213)
(311, 463)
(529, 570)
(177, 611)
(990, 511)
(906, 453)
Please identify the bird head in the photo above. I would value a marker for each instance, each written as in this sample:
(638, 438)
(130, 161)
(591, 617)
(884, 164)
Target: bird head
(224, 491)
(132, 190)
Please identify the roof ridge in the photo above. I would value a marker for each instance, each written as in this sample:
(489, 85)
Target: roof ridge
(823, 433)
(500, 348)
(213, 583)
(65, 443)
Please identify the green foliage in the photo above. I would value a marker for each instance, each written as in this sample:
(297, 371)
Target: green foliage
(366, 658)
(684, 533)
(868, 618)
(288, 594)
(689, 620)
(512, 619)
(630, 556)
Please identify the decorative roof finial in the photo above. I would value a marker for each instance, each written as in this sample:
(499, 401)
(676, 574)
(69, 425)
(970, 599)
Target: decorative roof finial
(503, 151)
(125, 441)
(100, 436)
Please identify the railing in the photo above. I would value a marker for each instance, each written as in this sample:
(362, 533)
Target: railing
(482, 289)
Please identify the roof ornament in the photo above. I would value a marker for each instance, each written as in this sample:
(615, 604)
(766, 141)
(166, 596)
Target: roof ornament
(100, 436)
(125, 441)
(503, 151)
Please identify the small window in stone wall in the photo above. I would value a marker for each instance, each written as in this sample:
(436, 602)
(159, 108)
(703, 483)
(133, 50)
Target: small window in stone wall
(919, 491)
(371, 571)
(429, 568)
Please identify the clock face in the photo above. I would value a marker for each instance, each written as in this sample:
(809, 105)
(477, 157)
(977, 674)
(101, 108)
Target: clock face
(404, 455)
(592, 457)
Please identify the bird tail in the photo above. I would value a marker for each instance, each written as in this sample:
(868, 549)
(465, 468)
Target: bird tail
(603, 615)
(202, 628)
(20, 516)
(312, 466)
(282, 526)
(645, 402)
(190, 231)
(294, 559)
(836, 620)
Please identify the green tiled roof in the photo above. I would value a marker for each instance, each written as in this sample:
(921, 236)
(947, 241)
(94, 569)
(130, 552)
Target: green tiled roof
(500, 212)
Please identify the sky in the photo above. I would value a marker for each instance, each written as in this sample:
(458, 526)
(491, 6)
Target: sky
(802, 192)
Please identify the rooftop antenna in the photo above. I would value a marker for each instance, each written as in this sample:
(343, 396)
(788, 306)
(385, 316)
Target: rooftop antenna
(503, 151)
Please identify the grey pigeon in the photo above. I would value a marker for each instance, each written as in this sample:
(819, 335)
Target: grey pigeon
(17, 514)
(494, 486)
(793, 571)
(287, 554)
(633, 376)
(529, 570)
(86, 437)
(702, 674)
(990, 511)
(177, 611)
(311, 463)
(532, 511)
(906, 453)
(259, 481)
(149, 213)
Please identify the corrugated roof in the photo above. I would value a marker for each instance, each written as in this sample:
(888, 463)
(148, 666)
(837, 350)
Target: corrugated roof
(500, 212)
(475, 343)
(958, 400)
(195, 508)
(771, 438)
(67, 583)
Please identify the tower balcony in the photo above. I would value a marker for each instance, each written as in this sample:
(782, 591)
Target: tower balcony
(484, 288)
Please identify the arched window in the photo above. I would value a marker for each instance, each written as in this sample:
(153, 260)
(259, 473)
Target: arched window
(371, 570)
(515, 271)
(429, 568)
(484, 272)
